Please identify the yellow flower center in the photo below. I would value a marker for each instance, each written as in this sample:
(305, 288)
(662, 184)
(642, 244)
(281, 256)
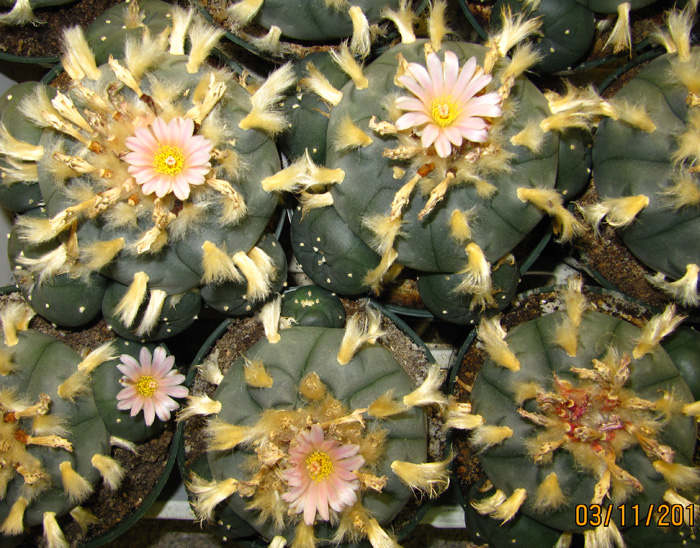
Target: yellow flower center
(169, 160)
(146, 386)
(319, 466)
(444, 110)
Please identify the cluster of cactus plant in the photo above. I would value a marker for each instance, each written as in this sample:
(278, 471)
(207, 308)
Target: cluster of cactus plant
(646, 176)
(60, 417)
(326, 439)
(577, 412)
(147, 176)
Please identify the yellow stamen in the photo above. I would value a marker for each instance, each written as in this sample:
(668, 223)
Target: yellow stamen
(319, 466)
(444, 110)
(169, 160)
(147, 386)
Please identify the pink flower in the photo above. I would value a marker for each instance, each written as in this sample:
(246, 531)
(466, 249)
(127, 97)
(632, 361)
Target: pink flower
(321, 475)
(445, 109)
(149, 385)
(167, 157)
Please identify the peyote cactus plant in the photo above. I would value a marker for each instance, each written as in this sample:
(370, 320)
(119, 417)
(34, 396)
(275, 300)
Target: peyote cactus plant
(441, 157)
(61, 414)
(149, 170)
(646, 176)
(314, 306)
(331, 421)
(578, 413)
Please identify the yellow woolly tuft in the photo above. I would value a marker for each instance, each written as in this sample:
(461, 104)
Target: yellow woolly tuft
(350, 136)
(312, 388)
(347, 63)
(437, 26)
(255, 374)
(678, 476)
(493, 336)
(549, 496)
(130, 303)
(76, 486)
(429, 392)
(52, 532)
(530, 137)
(84, 518)
(386, 406)
(265, 114)
(486, 436)
(208, 494)
(655, 330)
(431, 478)
(14, 522)
(459, 225)
(224, 436)
(111, 471)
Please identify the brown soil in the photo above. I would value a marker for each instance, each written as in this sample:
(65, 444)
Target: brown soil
(607, 255)
(143, 470)
(243, 333)
(45, 38)
(525, 307)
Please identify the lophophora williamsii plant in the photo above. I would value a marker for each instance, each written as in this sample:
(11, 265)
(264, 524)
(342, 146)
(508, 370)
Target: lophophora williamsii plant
(441, 157)
(317, 434)
(583, 424)
(148, 172)
(309, 21)
(647, 177)
(62, 413)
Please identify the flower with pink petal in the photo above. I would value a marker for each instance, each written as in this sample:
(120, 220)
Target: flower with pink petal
(321, 475)
(446, 108)
(167, 157)
(150, 384)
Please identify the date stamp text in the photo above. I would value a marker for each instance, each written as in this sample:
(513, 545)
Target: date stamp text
(661, 515)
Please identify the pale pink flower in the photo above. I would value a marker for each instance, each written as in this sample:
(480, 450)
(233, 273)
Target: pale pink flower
(446, 109)
(168, 157)
(321, 475)
(149, 385)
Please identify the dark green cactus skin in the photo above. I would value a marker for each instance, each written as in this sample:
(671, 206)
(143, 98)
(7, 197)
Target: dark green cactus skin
(629, 162)
(683, 345)
(575, 161)
(42, 363)
(106, 386)
(521, 532)
(533, 344)
(308, 113)
(23, 195)
(330, 253)
(367, 376)
(437, 291)
(179, 312)
(106, 35)
(666, 537)
(567, 30)
(369, 186)
(313, 306)
(230, 297)
(313, 20)
(63, 300)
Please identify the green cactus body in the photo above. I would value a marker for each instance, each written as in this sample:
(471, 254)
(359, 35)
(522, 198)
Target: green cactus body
(337, 263)
(369, 186)
(162, 242)
(19, 190)
(567, 28)
(307, 112)
(107, 35)
(645, 179)
(230, 297)
(438, 292)
(684, 348)
(298, 396)
(313, 306)
(577, 402)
